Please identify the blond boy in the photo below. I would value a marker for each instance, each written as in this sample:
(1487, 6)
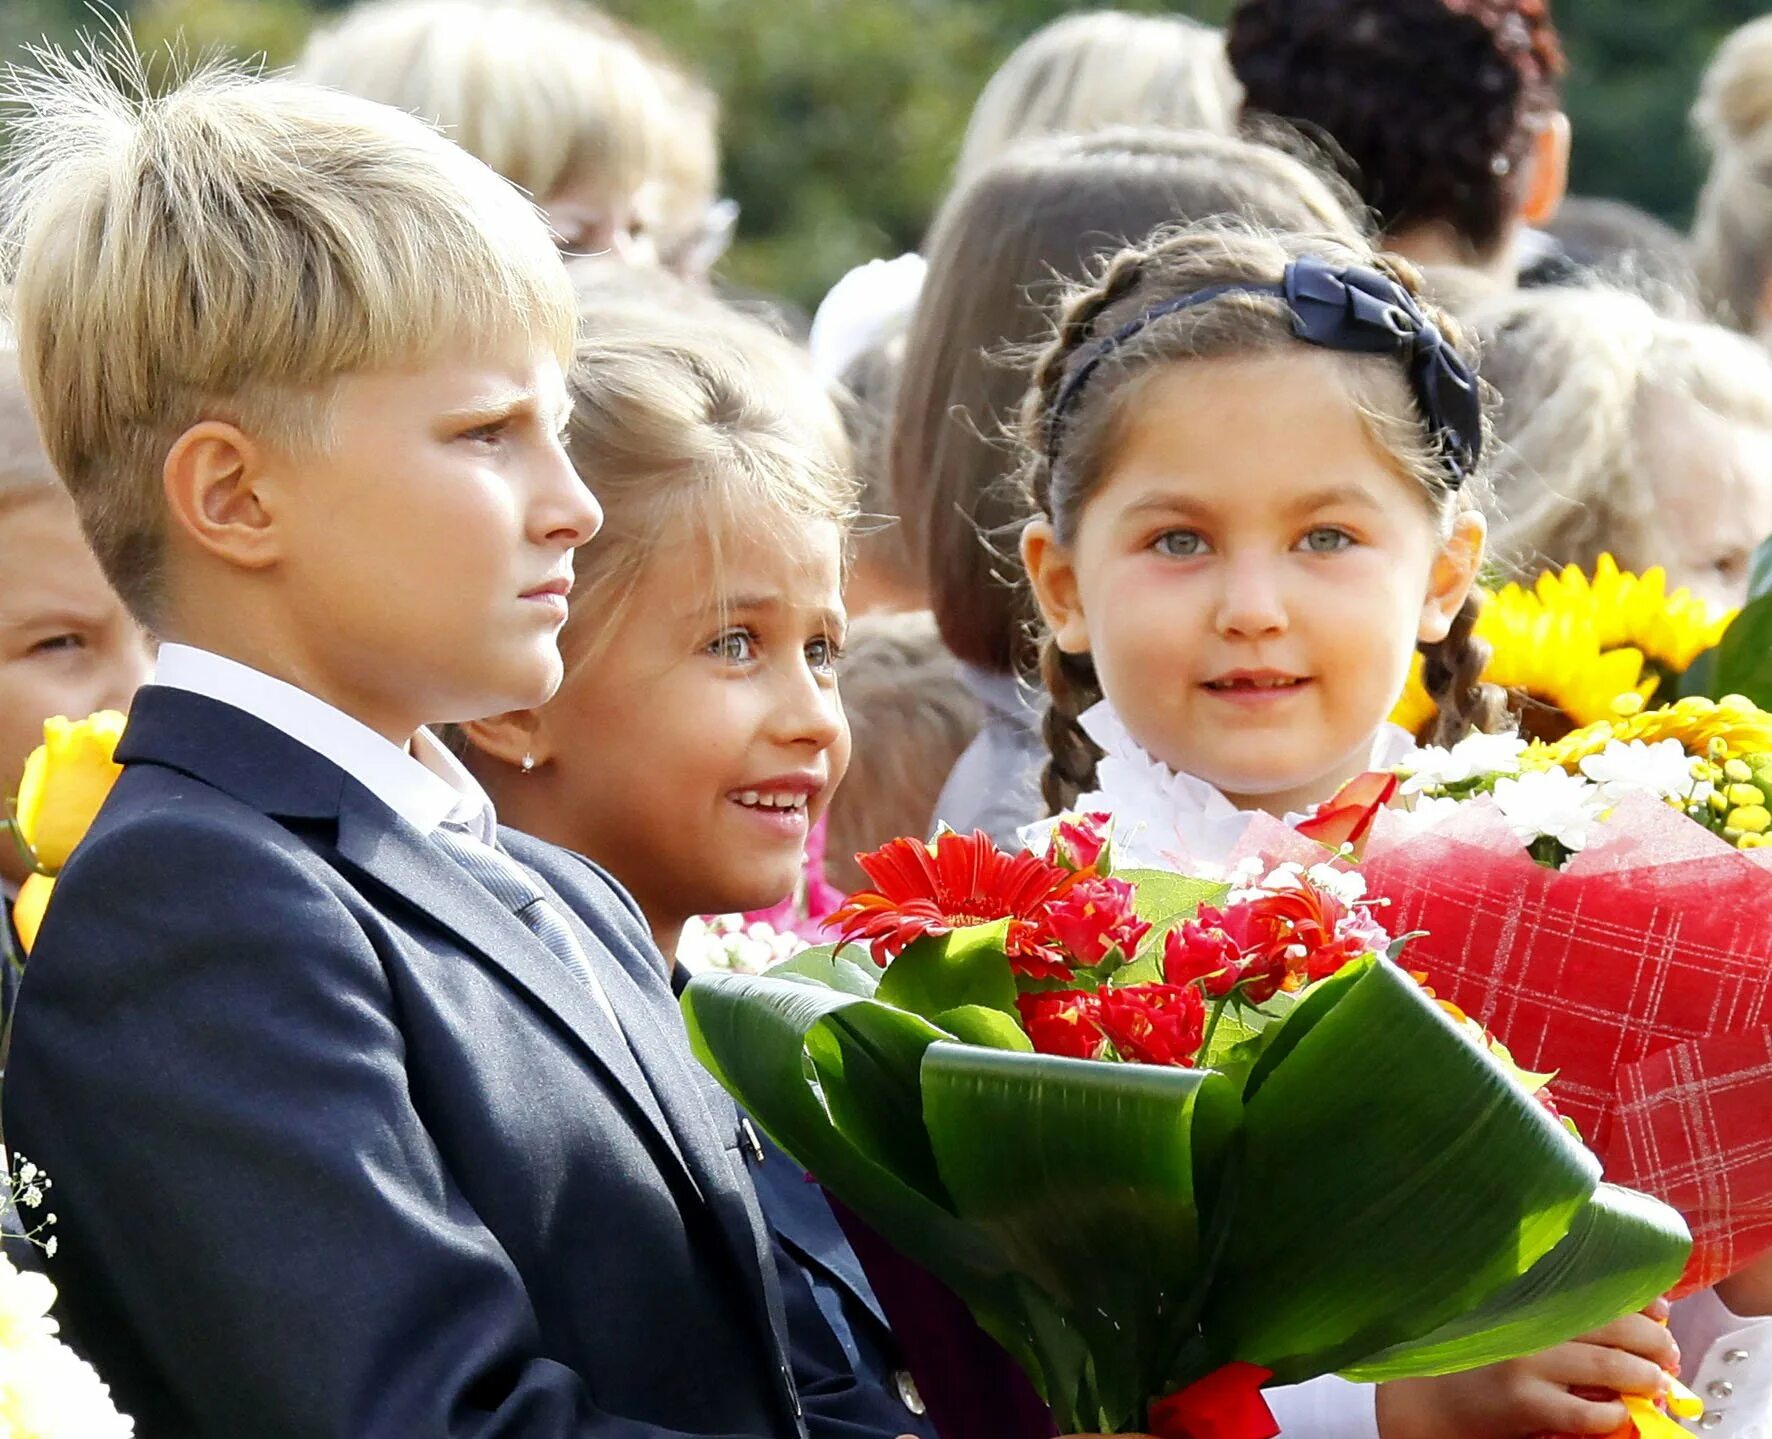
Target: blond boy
(365, 1116)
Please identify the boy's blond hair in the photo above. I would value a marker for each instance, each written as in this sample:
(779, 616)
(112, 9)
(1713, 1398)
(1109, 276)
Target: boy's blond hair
(230, 250)
(912, 717)
(546, 92)
(1574, 367)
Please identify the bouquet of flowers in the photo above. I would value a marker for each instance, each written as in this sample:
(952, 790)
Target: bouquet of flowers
(1603, 899)
(1171, 1140)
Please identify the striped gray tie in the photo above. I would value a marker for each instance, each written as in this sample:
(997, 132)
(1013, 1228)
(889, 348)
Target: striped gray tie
(513, 887)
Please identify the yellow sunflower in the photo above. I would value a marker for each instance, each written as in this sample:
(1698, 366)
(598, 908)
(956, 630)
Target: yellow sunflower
(1735, 724)
(1555, 661)
(1637, 612)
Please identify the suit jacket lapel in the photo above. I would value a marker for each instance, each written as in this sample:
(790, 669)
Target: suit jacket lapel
(397, 858)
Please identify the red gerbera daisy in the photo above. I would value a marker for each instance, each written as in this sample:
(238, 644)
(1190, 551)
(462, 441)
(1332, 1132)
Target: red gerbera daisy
(959, 881)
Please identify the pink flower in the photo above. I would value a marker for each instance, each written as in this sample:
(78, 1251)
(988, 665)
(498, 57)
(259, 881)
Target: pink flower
(1079, 841)
(1095, 917)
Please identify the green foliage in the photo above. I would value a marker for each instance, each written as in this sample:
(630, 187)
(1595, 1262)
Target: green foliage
(1377, 1196)
(843, 117)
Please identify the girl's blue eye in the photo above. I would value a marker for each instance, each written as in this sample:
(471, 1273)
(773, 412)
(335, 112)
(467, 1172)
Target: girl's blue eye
(1181, 544)
(823, 654)
(487, 434)
(1326, 540)
(736, 646)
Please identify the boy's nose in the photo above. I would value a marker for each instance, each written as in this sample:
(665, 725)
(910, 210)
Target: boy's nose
(1251, 602)
(571, 513)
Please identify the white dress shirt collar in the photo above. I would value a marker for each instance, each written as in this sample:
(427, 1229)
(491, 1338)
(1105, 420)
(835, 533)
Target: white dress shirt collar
(425, 785)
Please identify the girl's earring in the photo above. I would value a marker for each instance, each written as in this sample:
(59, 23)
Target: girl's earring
(528, 763)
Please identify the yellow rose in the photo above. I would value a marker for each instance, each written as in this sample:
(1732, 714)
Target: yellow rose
(66, 779)
(28, 908)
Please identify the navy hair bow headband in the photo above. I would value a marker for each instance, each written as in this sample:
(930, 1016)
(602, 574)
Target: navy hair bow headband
(1355, 310)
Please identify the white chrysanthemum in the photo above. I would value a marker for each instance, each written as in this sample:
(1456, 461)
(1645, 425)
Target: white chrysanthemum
(726, 941)
(1551, 804)
(1475, 757)
(46, 1391)
(1662, 769)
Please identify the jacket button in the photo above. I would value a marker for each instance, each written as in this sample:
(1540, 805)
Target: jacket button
(907, 1392)
(1735, 1356)
(1711, 1419)
(1720, 1389)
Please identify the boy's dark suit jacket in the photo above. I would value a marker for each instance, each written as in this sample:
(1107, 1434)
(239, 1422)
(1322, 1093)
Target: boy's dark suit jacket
(341, 1151)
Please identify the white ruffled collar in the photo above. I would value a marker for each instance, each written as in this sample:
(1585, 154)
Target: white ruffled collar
(1167, 820)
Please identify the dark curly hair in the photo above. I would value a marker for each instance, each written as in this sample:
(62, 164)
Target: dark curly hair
(1433, 103)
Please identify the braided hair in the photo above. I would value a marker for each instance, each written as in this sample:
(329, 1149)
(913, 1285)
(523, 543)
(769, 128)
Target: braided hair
(1434, 103)
(1066, 434)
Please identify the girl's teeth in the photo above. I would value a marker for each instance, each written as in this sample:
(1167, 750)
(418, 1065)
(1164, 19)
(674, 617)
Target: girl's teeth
(755, 800)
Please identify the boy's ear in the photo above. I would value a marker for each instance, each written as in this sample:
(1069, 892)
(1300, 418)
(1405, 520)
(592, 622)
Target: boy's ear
(212, 482)
(1548, 181)
(1054, 580)
(512, 737)
(1454, 572)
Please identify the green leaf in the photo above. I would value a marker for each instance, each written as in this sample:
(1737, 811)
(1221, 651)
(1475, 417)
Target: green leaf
(1164, 899)
(951, 971)
(1744, 655)
(1699, 679)
(1090, 1178)
(1622, 1252)
(1395, 1173)
(974, 1024)
(751, 1032)
(1759, 575)
(849, 968)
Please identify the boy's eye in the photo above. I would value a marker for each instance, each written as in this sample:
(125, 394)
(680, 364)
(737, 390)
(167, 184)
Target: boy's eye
(1180, 544)
(736, 646)
(489, 433)
(1325, 540)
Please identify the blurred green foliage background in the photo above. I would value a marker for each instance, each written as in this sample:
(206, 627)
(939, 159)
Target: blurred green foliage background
(843, 116)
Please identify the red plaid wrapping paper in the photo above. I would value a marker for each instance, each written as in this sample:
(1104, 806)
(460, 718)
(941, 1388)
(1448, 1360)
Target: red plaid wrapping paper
(1642, 975)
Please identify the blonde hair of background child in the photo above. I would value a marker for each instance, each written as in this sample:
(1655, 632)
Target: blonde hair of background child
(547, 92)
(1102, 68)
(999, 251)
(911, 716)
(25, 471)
(229, 250)
(1573, 367)
(1060, 483)
(1732, 234)
(693, 418)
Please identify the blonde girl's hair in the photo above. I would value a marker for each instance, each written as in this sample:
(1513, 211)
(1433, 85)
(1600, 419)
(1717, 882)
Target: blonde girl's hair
(25, 471)
(696, 420)
(1064, 463)
(230, 249)
(1099, 69)
(549, 93)
(1001, 248)
(1733, 231)
(1573, 368)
